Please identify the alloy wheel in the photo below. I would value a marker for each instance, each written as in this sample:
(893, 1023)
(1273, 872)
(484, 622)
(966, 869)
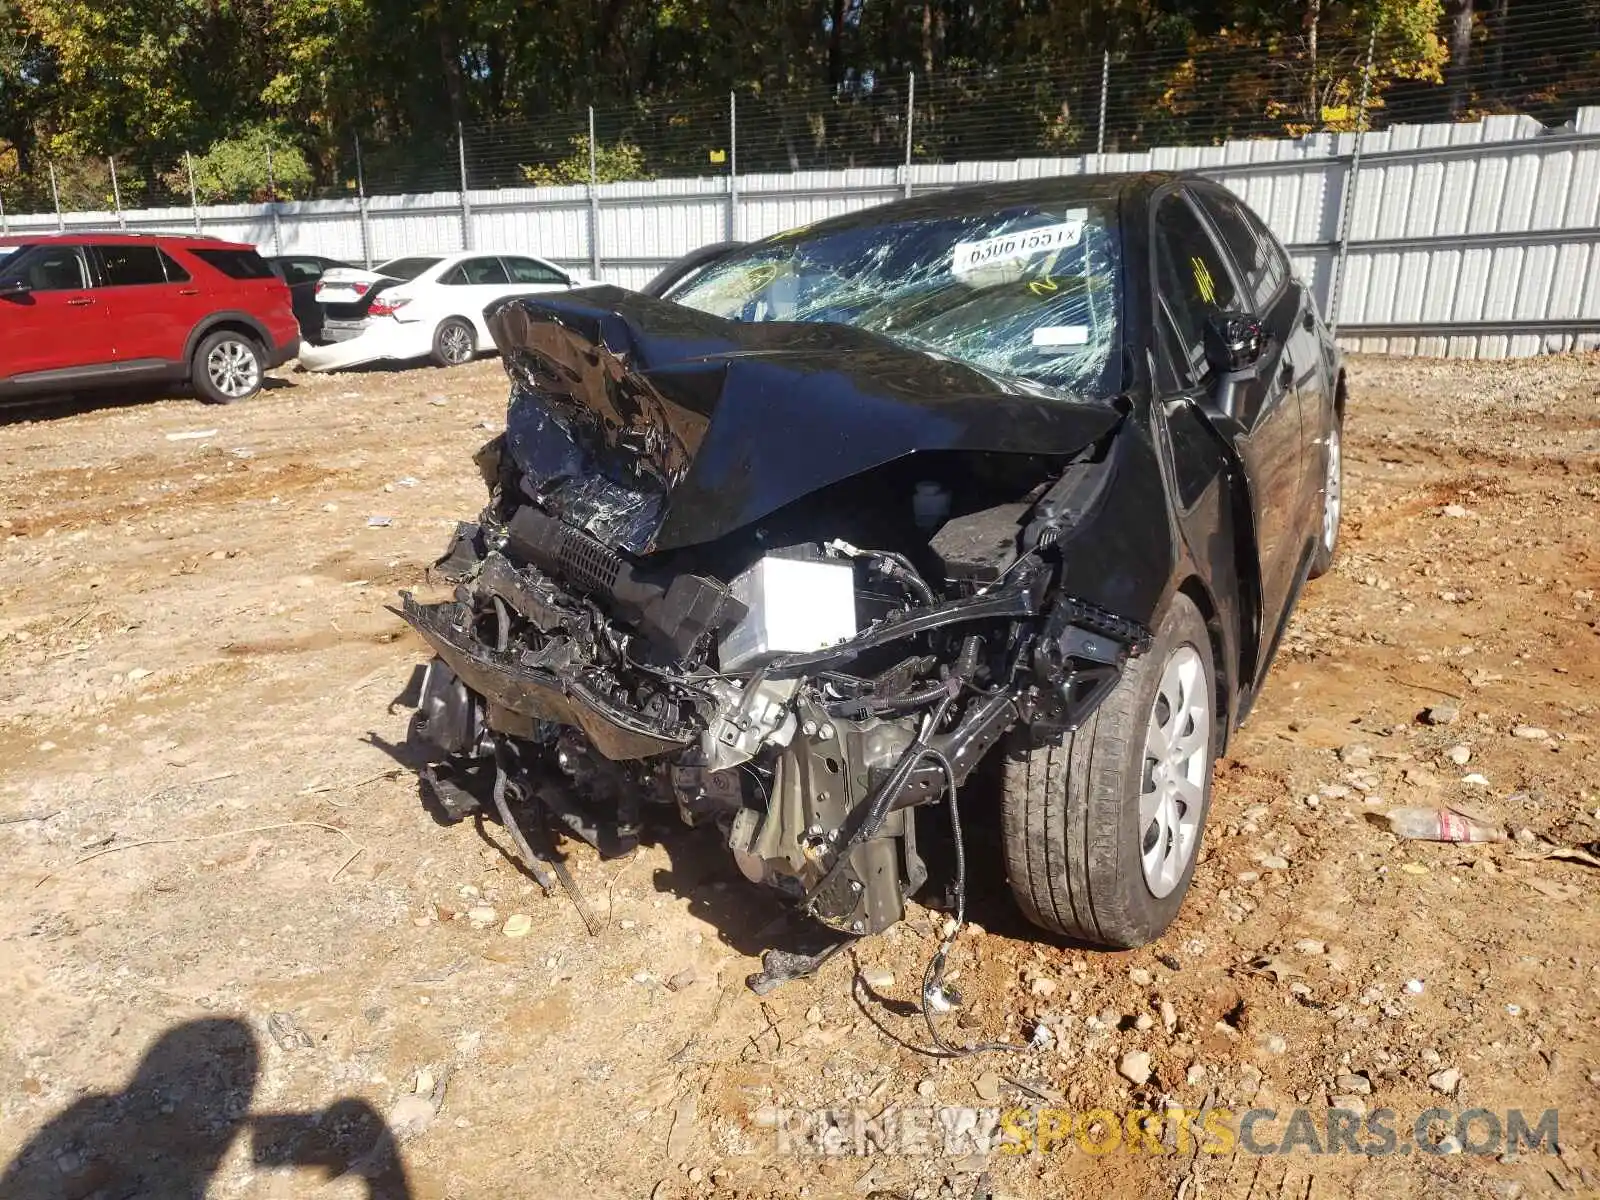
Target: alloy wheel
(1177, 758)
(456, 343)
(234, 369)
(1330, 493)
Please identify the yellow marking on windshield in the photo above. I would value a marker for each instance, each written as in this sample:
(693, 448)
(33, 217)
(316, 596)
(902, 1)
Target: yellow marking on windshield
(1203, 280)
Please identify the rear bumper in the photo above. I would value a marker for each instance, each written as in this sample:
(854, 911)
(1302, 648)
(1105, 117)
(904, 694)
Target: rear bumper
(334, 330)
(382, 339)
(282, 352)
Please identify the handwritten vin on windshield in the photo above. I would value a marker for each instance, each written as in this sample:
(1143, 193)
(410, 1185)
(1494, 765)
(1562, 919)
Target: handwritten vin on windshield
(969, 257)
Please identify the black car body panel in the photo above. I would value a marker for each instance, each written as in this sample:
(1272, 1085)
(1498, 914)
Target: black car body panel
(705, 426)
(795, 574)
(301, 272)
(680, 269)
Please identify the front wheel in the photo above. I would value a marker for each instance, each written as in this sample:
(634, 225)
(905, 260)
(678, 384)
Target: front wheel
(1102, 829)
(454, 342)
(1332, 503)
(226, 367)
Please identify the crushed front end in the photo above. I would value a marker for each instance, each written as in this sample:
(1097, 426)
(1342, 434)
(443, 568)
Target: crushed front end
(788, 583)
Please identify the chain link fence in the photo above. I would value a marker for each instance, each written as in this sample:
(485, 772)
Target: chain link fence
(1107, 102)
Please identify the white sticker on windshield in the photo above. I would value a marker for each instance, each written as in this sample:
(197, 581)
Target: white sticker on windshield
(969, 257)
(1048, 336)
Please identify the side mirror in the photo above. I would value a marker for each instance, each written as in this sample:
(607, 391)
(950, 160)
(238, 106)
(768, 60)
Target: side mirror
(14, 287)
(1234, 342)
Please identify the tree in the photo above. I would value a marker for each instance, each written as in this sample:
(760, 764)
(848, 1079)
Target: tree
(613, 163)
(27, 85)
(819, 82)
(237, 169)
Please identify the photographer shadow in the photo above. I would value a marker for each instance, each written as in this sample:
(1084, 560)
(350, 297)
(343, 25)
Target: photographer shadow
(167, 1132)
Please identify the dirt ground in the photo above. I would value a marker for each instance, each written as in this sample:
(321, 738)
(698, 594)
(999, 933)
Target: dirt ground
(232, 939)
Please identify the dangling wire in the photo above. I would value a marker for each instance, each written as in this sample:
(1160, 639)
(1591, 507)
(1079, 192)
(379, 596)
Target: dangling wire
(936, 997)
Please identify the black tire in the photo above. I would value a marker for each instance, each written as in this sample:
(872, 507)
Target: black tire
(1070, 812)
(1332, 491)
(227, 367)
(455, 342)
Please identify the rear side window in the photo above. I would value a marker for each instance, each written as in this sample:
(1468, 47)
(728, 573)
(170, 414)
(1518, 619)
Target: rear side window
(300, 270)
(175, 273)
(236, 264)
(406, 269)
(477, 271)
(526, 270)
(129, 266)
(1254, 249)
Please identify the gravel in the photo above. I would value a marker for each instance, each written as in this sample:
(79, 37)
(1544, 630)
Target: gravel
(1135, 1067)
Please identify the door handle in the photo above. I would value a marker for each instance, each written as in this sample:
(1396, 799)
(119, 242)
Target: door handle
(1286, 375)
(188, 291)
(80, 301)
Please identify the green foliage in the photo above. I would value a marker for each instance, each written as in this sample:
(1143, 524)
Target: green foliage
(235, 170)
(820, 82)
(616, 162)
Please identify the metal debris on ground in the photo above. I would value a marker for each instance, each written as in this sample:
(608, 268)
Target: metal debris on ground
(286, 1032)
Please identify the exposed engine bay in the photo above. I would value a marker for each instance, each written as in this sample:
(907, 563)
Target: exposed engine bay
(726, 570)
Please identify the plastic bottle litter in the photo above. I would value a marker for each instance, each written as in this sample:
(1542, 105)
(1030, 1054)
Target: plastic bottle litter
(1441, 825)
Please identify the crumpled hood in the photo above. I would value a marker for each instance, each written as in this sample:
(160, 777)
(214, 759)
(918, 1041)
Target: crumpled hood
(656, 427)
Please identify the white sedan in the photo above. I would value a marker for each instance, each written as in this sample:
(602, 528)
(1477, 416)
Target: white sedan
(424, 306)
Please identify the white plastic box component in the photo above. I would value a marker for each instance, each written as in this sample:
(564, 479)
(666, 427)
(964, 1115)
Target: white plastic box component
(795, 605)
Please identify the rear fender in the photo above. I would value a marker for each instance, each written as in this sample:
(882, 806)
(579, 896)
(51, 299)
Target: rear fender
(220, 320)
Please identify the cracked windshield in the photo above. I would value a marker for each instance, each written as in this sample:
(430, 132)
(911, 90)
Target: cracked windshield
(1031, 293)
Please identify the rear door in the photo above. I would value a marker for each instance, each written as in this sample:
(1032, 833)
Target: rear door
(57, 322)
(188, 296)
(470, 285)
(150, 319)
(1196, 282)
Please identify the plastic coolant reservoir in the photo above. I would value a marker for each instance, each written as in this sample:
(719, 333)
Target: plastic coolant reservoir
(795, 605)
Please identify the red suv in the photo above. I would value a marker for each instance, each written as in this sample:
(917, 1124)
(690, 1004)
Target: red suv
(87, 309)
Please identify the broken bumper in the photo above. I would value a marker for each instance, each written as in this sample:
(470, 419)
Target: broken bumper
(513, 689)
(381, 340)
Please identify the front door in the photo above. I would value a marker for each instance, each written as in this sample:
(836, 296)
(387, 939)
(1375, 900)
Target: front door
(1289, 312)
(1195, 283)
(55, 323)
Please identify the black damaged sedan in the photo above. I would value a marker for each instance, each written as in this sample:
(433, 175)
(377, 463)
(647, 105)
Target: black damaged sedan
(1033, 471)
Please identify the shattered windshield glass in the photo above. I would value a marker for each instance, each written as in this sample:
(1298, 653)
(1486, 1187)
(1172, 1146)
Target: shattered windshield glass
(1031, 292)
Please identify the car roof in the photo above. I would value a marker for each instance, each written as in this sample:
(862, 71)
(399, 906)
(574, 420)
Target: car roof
(977, 199)
(117, 237)
(457, 255)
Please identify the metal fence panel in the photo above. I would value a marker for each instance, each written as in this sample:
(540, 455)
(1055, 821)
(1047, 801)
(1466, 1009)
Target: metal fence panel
(429, 223)
(1478, 239)
(552, 223)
